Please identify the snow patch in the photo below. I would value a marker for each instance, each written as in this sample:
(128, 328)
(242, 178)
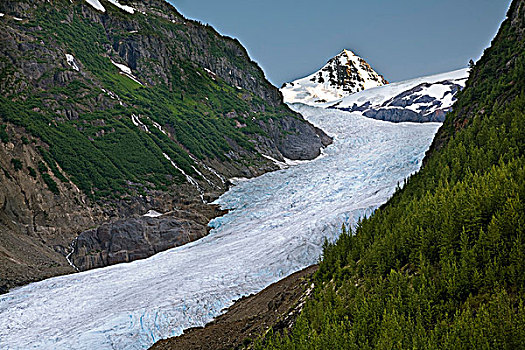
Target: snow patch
(212, 74)
(202, 175)
(152, 214)
(190, 179)
(97, 5)
(132, 77)
(125, 70)
(128, 9)
(137, 122)
(207, 168)
(71, 61)
(157, 125)
(215, 173)
(112, 95)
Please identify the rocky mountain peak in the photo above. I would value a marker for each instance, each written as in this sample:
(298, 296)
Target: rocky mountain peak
(343, 75)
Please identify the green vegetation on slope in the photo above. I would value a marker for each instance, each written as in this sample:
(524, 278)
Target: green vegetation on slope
(101, 150)
(442, 264)
(4, 137)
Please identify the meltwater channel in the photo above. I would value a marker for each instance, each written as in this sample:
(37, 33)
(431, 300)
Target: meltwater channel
(277, 227)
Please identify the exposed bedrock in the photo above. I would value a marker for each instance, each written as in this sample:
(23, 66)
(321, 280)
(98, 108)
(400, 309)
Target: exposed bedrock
(137, 238)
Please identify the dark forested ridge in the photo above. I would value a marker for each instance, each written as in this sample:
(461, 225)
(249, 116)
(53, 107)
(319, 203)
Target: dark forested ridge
(442, 264)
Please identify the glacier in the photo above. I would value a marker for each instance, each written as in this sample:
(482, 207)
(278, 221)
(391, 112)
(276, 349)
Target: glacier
(277, 226)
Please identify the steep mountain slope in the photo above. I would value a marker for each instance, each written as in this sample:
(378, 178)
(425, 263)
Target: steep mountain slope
(426, 99)
(343, 75)
(503, 64)
(113, 108)
(441, 265)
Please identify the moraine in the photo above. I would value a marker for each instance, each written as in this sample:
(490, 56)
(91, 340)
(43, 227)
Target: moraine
(278, 227)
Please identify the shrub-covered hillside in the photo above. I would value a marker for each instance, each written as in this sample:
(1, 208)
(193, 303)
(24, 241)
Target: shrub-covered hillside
(64, 78)
(442, 264)
(105, 115)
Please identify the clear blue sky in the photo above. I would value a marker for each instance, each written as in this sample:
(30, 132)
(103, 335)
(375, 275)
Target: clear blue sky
(400, 39)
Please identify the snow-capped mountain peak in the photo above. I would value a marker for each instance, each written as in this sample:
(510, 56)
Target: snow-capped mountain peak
(341, 76)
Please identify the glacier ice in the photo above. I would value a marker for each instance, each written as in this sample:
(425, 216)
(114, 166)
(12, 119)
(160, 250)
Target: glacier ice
(278, 226)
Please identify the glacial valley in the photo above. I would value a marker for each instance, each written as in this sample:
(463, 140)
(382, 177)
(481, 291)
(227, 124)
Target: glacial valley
(276, 226)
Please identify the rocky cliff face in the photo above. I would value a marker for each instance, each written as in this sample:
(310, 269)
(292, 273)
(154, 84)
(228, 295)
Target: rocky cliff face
(140, 237)
(30, 247)
(111, 111)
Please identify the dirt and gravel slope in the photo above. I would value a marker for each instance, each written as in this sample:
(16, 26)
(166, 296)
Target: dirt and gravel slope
(276, 306)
